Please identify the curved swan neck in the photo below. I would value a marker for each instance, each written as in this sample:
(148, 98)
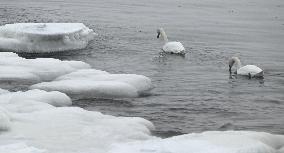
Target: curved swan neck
(238, 63)
(163, 35)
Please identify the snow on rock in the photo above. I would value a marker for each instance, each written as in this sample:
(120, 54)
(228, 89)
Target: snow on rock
(207, 142)
(98, 83)
(44, 37)
(15, 68)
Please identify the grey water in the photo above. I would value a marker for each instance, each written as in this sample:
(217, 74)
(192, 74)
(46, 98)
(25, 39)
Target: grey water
(193, 93)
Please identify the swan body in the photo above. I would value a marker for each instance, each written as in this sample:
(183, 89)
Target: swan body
(172, 47)
(248, 70)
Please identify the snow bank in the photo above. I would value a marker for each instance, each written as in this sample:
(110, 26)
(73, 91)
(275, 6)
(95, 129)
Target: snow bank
(207, 142)
(15, 68)
(97, 83)
(44, 37)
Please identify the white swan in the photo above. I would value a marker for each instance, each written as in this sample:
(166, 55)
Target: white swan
(248, 70)
(172, 47)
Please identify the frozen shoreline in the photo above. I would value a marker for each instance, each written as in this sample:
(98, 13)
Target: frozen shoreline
(37, 121)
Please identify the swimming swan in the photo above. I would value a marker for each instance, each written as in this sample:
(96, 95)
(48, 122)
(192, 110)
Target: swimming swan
(248, 70)
(172, 47)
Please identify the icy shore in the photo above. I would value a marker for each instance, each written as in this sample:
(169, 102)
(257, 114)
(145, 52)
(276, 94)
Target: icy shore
(37, 121)
(71, 77)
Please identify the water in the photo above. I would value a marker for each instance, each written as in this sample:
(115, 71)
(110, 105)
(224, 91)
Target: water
(192, 93)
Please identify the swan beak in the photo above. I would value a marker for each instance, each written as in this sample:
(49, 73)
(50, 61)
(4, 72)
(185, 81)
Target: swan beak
(230, 69)
(158, 36)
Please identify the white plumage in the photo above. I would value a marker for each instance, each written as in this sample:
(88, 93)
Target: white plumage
(248, 70)
(172, 47)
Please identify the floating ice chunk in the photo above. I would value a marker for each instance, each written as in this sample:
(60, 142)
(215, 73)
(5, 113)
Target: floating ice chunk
(97, 83)
(44, 37)
(33, 100)
(15, 68)
(208, 142)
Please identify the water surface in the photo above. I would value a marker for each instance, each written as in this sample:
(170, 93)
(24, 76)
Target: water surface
(192, 93)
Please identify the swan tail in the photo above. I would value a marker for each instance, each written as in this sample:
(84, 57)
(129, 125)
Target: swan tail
(259, 75)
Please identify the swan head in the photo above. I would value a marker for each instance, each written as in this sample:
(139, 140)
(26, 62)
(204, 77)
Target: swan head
(232, 61)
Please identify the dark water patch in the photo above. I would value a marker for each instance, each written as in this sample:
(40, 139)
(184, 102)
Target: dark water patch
(193, 93)
(166, 134)
(15, 85)
(226, 127)
(94, 102)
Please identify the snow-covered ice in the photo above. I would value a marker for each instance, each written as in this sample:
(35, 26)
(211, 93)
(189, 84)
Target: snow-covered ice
(15, 68)
(44, 37)
(62, 129)
(73, 130)
(32, 100)
(71, 77)
(95, 83)
(208, 142)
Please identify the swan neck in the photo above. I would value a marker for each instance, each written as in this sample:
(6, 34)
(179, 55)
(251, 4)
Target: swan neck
(164, 36)
(238, 63)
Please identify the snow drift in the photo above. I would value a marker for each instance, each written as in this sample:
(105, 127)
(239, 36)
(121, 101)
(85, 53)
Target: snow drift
(44, 37)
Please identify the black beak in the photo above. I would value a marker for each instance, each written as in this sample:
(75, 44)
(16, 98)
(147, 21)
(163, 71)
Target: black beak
(230, 69)
(158, 36)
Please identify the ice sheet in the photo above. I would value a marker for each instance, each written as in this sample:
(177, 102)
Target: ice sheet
(97, 83)
(15, 68)
(44, 37)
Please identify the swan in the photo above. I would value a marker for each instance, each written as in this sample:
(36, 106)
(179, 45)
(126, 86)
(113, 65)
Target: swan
(172, 47)
(248, 70)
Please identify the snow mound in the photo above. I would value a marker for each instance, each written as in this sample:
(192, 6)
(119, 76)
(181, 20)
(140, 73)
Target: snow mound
(208, 142)
(98, 83)
(3, 91)
(44, 37)
(15, 68)
(32, 100)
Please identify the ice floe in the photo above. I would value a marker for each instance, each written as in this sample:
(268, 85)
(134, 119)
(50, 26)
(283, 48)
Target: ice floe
(15, 68)
(71, 77)
(44, 37)
(97, 83)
